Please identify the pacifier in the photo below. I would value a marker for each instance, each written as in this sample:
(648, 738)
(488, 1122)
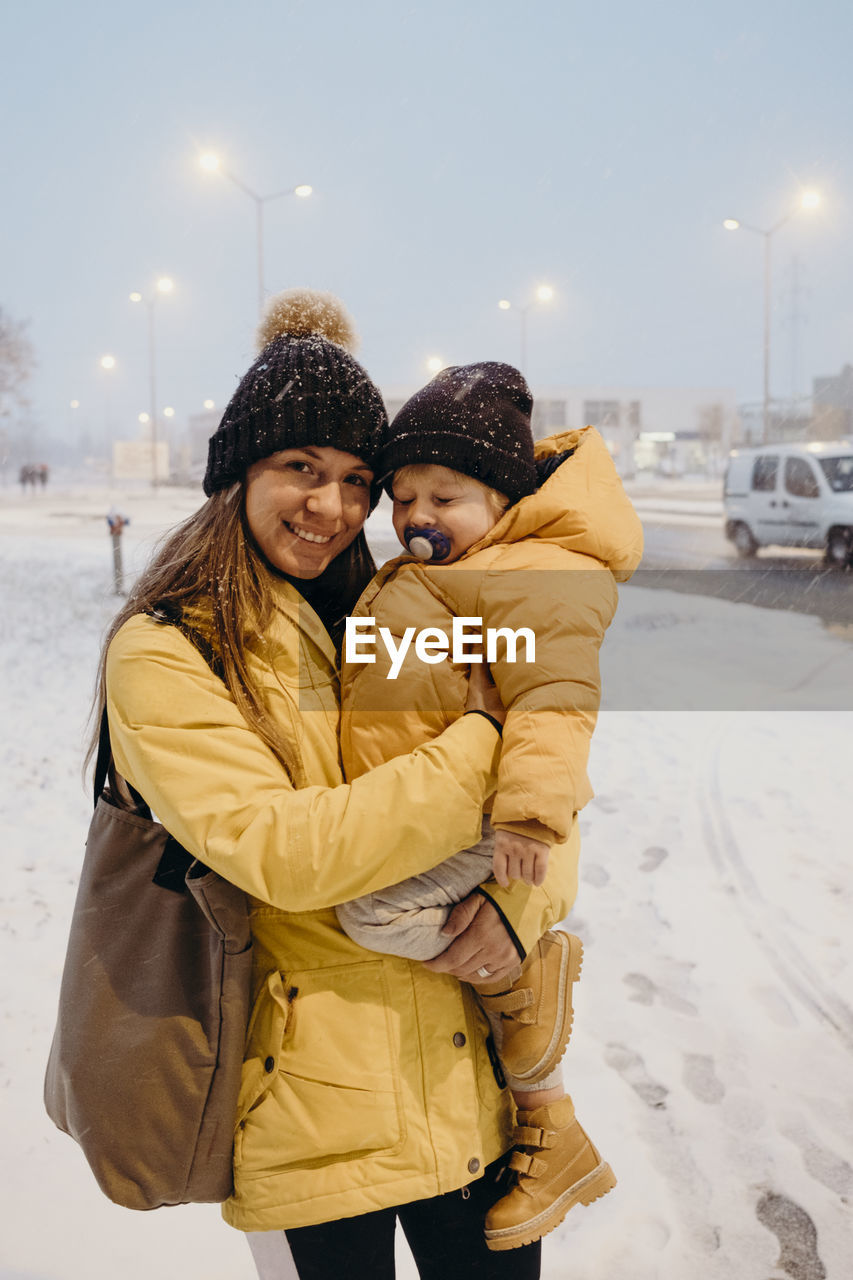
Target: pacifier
(427, 544)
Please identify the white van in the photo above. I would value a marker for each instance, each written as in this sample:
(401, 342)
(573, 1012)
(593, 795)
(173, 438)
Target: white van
(791, 495)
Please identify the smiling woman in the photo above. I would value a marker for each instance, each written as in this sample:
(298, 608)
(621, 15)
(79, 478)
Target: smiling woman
(305, 506)
(221, 683)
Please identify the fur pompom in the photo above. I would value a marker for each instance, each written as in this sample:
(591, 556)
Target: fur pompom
(300, 312)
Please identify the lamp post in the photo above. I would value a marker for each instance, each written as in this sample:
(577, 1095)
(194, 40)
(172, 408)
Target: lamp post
(212, 164)
(808, 200)
(108, 364)
(544, 293)
(164, 285)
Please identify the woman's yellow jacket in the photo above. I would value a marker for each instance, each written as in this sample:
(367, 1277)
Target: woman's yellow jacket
(366, 1081)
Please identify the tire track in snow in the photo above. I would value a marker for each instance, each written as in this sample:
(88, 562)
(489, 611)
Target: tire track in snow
(800, 979)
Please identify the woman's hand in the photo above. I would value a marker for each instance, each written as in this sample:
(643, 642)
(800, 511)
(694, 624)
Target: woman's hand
(481, 942)
(483, 694)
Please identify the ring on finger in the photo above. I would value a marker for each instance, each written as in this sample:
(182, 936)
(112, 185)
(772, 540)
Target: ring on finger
(483, 972)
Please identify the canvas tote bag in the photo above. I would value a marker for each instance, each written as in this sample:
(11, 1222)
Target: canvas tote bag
(144, 1069)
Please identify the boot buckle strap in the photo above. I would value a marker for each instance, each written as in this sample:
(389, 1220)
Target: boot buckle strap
(509, 1001)
(523, 1163)
(520, 1162)
(526, 1136)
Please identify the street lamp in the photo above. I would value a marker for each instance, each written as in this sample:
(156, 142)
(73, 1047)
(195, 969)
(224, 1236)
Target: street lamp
(543, 293)
(211, 163)
(164, 285)
(808, 200)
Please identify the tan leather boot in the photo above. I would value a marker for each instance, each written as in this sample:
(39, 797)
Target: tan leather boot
(534, 1005)
(555, 1167)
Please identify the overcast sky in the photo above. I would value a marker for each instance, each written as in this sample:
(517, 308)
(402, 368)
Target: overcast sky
(460, 153)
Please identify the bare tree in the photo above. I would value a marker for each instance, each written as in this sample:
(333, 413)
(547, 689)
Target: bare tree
(17, 361)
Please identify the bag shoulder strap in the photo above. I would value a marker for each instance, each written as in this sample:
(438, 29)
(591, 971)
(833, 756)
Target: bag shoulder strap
(104, 756)
(167, 614)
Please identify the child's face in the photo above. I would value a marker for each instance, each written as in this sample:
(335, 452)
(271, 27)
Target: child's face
(431, 497)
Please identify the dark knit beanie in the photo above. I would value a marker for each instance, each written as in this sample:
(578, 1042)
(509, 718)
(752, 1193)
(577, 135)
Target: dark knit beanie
(305, 388)
(473, 418)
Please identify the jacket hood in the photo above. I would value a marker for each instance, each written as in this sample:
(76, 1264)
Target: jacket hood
(582, 506)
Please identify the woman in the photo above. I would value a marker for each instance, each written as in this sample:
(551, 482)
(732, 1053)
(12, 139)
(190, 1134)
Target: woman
(368, 1091)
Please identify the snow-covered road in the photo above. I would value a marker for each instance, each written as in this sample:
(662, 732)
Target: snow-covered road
(713, 1044)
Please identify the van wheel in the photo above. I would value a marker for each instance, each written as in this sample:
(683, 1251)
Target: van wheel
(745, 544)
(839, 548)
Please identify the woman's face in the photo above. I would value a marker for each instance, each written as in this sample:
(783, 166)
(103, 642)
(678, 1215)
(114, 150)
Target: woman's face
(305, 506)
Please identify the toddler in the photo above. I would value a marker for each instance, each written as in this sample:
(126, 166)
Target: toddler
(519, 540)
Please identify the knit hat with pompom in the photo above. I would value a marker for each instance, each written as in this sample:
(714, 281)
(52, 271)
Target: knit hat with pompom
(305, 388)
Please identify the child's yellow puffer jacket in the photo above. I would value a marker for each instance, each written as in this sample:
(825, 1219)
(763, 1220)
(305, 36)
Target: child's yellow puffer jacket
(551, 565)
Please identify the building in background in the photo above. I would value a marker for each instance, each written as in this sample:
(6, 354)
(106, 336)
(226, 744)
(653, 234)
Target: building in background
(193, 454)
(832, 406)
(826, 415)
(142, 458)
(134, 460)
(666, 430)
(787, 422)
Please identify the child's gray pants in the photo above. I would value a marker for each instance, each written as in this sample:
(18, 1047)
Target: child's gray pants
(406, 919)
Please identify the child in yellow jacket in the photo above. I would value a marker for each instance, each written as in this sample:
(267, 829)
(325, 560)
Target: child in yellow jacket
(530, 548)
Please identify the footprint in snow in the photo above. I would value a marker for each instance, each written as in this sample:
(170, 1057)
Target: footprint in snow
(594, 874)
(642, 988)
(632, 1069)
(796, 1233)
(644, 991)
(653, 857)
(605, 804)
(826, 1167)
(701, 1079)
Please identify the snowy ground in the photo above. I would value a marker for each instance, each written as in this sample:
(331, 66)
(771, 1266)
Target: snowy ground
(713, 1049)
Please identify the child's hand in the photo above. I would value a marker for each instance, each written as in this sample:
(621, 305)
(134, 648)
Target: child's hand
(519, 858)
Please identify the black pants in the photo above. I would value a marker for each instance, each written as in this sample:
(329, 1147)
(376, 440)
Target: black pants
(445, 1235)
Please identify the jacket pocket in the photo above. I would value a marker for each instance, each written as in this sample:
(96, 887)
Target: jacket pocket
(321, 1078)
(264, 1034)
(488, 1067)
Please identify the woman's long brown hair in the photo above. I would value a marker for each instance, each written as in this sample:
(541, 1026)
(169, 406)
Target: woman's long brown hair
(210, 564)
